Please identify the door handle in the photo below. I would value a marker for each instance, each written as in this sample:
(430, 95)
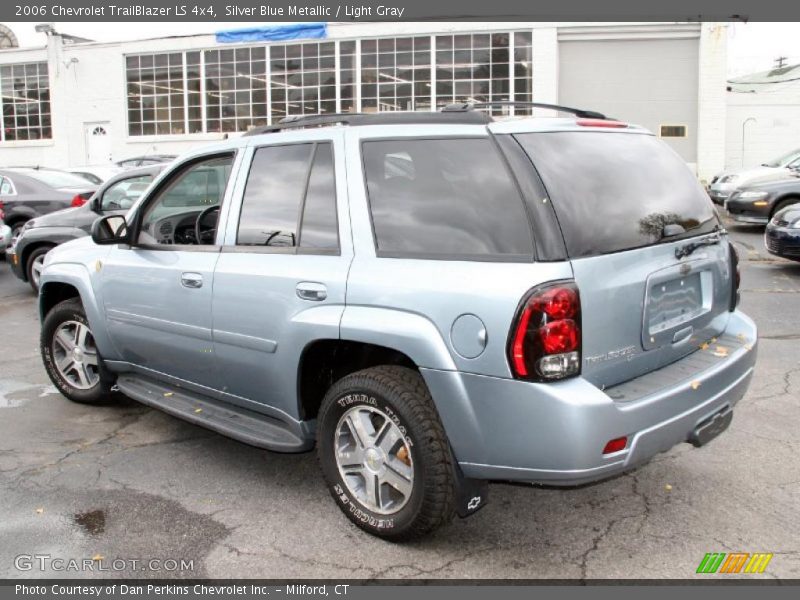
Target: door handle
(309, 290)
(192, 280)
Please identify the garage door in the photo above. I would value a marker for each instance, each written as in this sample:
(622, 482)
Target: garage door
(652, 83)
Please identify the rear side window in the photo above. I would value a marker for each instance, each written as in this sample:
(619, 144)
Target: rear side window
(290, 199)
(447, 198)
(617, 191)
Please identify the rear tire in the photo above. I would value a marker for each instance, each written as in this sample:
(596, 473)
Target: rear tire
(378, 430)
(70, 356)
(34, 267)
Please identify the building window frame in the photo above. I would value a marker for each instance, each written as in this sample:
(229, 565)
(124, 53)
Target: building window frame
(512, 71)
(43, 116)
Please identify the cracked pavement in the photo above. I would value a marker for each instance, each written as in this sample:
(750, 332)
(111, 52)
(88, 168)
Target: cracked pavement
(158, 487)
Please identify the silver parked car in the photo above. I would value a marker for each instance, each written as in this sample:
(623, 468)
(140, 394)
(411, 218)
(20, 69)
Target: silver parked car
(409, 294)
(725, 183)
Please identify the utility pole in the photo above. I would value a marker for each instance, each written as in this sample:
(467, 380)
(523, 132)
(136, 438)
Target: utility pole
(780, 62)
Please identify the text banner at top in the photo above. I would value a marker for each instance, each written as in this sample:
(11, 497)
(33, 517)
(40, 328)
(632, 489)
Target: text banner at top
(398, 10)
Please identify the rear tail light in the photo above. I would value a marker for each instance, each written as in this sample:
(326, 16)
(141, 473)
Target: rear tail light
(79, 200)
(545, 339)
(736, 277)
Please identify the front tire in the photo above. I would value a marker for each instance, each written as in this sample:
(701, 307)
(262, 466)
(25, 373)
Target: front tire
(384, 453)
(35, 265)
(70, 356)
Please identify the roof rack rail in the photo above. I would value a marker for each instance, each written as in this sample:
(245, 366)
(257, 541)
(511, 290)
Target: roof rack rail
(382, 118)
(578, 112)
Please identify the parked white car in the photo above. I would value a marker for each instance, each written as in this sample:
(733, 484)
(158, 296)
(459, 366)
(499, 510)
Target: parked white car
(96, 174)
(726, 182)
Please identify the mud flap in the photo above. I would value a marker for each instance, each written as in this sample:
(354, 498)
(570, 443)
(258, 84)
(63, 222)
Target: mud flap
(471, 494)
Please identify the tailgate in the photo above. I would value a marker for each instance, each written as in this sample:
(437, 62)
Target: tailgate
(648, 252)
(644, 309)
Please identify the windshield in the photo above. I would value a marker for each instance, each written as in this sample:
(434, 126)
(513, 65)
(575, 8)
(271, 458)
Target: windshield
(784, 160)
(58, 179)
(618, 191)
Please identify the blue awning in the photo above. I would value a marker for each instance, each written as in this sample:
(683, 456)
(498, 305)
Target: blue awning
(274, 33)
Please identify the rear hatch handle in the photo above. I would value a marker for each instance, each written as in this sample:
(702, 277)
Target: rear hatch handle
(687, 249)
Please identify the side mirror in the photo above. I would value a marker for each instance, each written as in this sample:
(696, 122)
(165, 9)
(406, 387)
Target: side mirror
(112, 229)
(96, 204)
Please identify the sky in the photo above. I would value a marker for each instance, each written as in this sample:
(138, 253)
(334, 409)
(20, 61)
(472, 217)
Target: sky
(752, 47)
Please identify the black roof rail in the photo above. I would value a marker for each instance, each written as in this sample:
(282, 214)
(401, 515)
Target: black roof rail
(382, 118)
(578, 112)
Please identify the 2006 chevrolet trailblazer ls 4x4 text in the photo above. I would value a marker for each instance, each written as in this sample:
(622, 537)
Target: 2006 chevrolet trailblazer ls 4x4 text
(433, 299)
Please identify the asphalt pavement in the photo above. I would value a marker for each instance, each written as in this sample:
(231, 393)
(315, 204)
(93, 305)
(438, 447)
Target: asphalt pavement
(125, 482)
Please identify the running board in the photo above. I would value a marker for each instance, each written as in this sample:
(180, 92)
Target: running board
(232, 421)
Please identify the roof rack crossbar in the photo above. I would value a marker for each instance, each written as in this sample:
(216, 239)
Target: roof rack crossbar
(578, 112)
(295, 121)
(382, 118)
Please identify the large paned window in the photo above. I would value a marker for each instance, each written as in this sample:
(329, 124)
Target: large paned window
(156, 86)
(396, 74)
(236, 89)
(227, 90)
(303, 79)
(523, 82)
(25, 102)
(472, 68)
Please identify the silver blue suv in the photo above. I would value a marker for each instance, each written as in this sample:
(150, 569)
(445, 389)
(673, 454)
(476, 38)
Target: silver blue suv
(433, 300)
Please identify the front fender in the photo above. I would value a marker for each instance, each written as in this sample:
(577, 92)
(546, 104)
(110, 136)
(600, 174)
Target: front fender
(77, 276)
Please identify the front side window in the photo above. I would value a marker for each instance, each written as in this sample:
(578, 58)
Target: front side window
(185, 210)
(444, 198)
(123, 194)
(290, 199)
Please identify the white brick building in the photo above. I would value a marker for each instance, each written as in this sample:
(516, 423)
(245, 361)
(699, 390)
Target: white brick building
(72, 102)
(763, 116)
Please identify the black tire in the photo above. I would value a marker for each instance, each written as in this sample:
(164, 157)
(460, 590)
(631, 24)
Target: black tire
(101, 391)
(401, 393)
(35, 253)
(16, 227)
(783, 204)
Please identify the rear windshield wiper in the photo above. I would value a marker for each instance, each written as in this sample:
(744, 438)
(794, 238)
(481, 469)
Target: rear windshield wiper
(687, 249)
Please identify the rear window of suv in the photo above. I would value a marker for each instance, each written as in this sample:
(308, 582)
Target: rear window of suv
(445, 198)
(617, 191)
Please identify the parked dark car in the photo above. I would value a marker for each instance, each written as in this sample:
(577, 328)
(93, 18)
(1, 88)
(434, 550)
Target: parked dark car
(40, 235)
(26, 193)
(146, 160)
(758, 203)
(782, 237)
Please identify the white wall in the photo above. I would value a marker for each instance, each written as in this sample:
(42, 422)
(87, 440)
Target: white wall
(771, 122)
(711, 100)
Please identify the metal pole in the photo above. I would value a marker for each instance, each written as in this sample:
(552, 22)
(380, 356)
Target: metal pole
(744, 124)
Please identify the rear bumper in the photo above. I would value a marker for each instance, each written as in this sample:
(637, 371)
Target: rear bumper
(555, 433)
